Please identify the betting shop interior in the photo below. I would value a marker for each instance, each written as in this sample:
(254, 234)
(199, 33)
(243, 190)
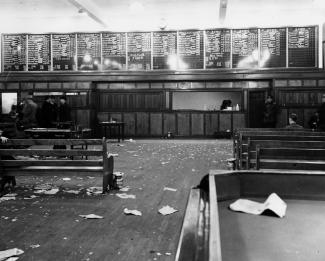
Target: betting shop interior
(120, 108)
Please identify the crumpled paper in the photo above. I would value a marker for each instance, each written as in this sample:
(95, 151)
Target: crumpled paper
(273, 203)
(125, 196)
(167, 210)
(91, 216)
(7, 254)
(132, 212)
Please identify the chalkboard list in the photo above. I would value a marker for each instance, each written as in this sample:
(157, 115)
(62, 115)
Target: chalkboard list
(64, 52)
(164, 50)
(14, 52)
(114, 51)
(302, 46)
(39, 52)
(217, 49)
(190, 47)
(273, 47)
(89, 51)
(139, 51)
(245, 48)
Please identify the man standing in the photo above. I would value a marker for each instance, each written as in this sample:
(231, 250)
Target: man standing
(49, 112)
(29, 113)
(321, 113)
(270, 111)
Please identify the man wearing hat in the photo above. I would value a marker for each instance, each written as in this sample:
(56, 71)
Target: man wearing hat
(29, 112)
(321, 113)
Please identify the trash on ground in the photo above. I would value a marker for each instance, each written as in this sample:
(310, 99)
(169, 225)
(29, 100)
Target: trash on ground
(4, 255)
(91, 216)
(112, 155)
(35, 246)
(167, 210)
(170, 189)
(47, 192)
(72, 191)
(125, 196)
(125, 189)
(132, 212)
(94, 190)
(66, 179)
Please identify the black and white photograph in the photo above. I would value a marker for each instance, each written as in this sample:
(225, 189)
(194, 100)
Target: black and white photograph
(161, 130)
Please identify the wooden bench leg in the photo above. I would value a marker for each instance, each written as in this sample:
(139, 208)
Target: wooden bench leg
(108, 174)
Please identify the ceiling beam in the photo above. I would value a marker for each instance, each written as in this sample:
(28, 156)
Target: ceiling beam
(90, 8)
(223, 10)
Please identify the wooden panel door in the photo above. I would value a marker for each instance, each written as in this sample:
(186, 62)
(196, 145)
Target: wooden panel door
(256, 100)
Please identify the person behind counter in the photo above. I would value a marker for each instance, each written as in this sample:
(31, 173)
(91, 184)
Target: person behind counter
(48, 112)
(293, 122)
(226, 104)
(29, 113)
(321, 113)
(64, 110)
(269, 113)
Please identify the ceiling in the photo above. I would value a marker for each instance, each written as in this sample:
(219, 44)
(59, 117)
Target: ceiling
(36, 16)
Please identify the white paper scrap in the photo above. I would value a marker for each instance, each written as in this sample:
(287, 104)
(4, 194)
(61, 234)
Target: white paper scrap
(167, 210)
(35, 246)
(72, 191)
(132, 212)
(91, 216)
(125, 196)
(125, 189)
(170, 189)
(112, 155)
(66, 179)
(273, 203)
(10, 253)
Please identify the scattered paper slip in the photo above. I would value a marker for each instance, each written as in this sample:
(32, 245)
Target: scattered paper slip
(273, 203)
(112, 155)
(72, 191)
(91, 216)
(167, 210)
(170, 189)
(132, 212)
(47, 192)
(4, 255)
(66, 179)
(94, 190)
(125, 189)
(35, 246)
(125, 196)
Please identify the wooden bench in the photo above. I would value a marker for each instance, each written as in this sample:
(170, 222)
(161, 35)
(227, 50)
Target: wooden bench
(290, 158)
(252, 144)
(240, 143)
(36, 157)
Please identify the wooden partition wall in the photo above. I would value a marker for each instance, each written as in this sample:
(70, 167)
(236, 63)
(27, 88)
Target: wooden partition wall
(144, 100)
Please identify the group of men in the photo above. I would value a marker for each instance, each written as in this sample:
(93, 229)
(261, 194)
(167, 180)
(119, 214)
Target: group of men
(316, 122)
(45, 116)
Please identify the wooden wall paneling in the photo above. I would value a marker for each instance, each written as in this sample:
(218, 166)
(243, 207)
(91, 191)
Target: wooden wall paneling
(183, 124)
(282, 118)
(83, 118)
(12, 85)
(238, 120)
(69, 85)
(102, 116)
(115, 116)
(129, 119)
(307, 115)
(142, 124)
(41, 85)
(27, 86)
(55, 85)
(2, 86)
(156, 124)
(169, 123)
(225, 121)
(211, 123)
(197, 124)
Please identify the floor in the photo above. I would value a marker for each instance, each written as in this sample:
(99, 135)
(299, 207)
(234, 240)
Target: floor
(48, 227)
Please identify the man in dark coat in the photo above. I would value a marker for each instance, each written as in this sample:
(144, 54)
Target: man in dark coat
(49, 112)
(64, 110)
(321, 113)
(270, 111)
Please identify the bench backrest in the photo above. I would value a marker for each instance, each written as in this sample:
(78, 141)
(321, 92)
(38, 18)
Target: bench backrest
(41, 150)
(290, 158)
